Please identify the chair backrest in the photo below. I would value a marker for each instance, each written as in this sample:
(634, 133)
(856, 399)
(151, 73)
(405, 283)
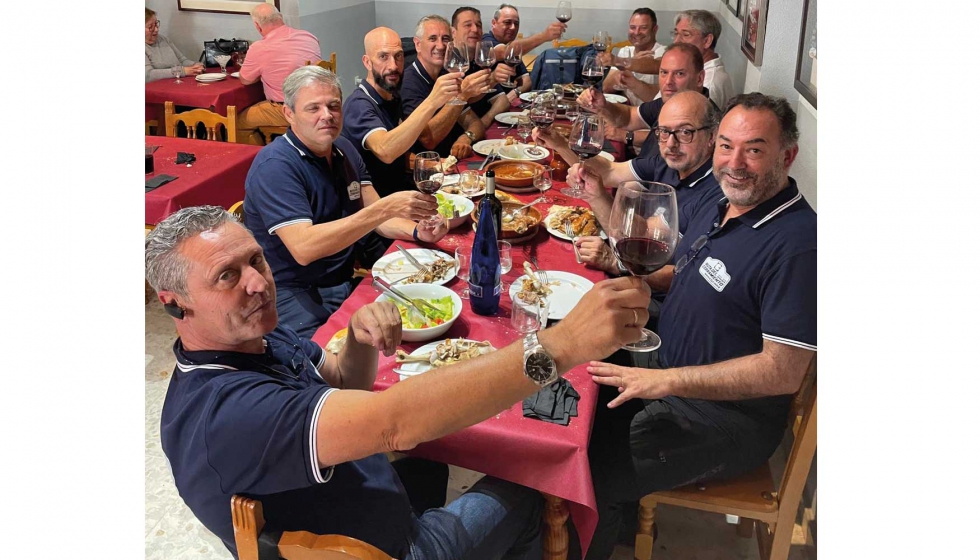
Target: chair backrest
(326, 64)
(248, 521)
(621, 44)
(238, 210)
(803, 422)
(203, 116)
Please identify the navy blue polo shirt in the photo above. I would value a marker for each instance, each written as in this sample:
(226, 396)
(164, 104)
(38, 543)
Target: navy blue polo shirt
(235, 423)
(650, 113)
(366, 112)
(416, 86)
(287, 184)
(689, 189)
(521, 69)
(755, 279)
(482, 105)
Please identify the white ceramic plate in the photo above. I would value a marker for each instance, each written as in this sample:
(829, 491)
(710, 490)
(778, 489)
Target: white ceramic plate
(400, 267)
(415, 368)
(483, 147)
(613, 98)
(607, 155)
(211, 77)
(561, 234)
(235, 75)
(523, 152)
(509, 118)
(529, 96)
(564, 296)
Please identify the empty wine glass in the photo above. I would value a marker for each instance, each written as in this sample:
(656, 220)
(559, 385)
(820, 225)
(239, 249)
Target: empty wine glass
(457, 60)
(542, 181)
(563, 13)
(463, 269)
(428, 179)
(177, 70)
(469, 183)
(585, 139)
(623, 62)
(512, 57)
(524, 128)
(485, 56)
(506, 262)
(222, 60)
(643, 235)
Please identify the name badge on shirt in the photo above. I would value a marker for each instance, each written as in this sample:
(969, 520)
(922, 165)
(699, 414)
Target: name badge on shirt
(714, 271)
(354, 190)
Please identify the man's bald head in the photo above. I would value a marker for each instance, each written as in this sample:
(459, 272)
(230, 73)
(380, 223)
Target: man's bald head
(692, 102)
(379, 37)
(384, 59)
(693, 120)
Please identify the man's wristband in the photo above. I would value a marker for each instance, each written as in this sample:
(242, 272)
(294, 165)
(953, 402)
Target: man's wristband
(415, 234)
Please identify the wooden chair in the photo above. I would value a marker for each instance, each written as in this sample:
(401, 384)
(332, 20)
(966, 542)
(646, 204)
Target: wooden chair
(203, 116)
(621, 44)
(752, 497)
(326, 64)
(238, 210)
(248, 521)
(569, 43)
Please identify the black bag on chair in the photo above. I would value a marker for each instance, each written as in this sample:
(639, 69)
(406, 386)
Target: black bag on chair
(221, 46)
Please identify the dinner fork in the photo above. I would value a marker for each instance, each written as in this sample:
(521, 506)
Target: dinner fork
(542, 275)
(571, 235)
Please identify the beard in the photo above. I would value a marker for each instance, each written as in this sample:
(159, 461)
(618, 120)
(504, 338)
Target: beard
(383, 83)
(760, 189)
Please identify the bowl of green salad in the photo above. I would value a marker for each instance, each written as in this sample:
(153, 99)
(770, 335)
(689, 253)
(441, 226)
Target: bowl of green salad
(449, 201)
(435, 323)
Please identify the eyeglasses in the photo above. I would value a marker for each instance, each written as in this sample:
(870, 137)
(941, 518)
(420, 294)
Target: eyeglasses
(684, 34)
(154, 25)
(682, 135)
(692, 254)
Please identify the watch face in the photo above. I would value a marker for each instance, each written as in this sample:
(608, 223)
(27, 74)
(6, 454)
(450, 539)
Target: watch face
(539, 367)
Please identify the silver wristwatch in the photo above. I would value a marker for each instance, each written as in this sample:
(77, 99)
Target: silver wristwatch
(470, 135)
(539, 366)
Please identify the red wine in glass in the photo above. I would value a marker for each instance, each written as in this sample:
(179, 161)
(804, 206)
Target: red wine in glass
(429, 187)
(585, 151)
(542, 121)
(642, 256)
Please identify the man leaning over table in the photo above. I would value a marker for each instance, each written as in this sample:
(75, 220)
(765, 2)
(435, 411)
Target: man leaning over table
(281, 50)
(312, 206)
(739, 329)
(255, 409)
(454, 128)
(373, 113)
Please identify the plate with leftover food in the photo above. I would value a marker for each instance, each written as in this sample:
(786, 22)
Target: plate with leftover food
(563, 290)
(394, 267)
(582, 219)
(439, 354)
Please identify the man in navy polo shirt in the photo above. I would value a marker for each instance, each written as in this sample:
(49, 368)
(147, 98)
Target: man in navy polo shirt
(310, 203)
(373, 113)
(454, 128)
(504, 26)
(467, 26)
(253, 409)
(739, 327)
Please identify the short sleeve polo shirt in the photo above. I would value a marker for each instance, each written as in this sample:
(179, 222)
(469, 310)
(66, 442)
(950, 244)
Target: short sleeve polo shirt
(689, 189)
(235, 423)
(286, 185)
(483, 105)
(416, 86)
(520, 69)
(754, 280)
(366, 112)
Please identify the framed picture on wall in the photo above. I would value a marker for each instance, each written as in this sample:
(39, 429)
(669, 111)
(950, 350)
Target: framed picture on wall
(735, 7)
(754, 30)
(806, 59)
(222, 6)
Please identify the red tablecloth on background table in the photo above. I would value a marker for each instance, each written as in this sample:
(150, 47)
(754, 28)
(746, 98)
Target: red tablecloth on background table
(217, 177)
(547, 457)
(215, 96)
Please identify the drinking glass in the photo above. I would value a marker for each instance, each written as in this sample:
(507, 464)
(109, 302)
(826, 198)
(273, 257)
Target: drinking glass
(623, 62)
(506, 262)
(512, 57)
(563, 14)
(485, 57)
(529, 317)
(585, 139)
(469, 183)
(222, 60)
(542, 181)
(176, 70)
(601, 41)
(428, 179)
(592, 71)
(463, 269)
(643, 235)
(572, 111)
(457, 60)
(543, 110)
(524, 128)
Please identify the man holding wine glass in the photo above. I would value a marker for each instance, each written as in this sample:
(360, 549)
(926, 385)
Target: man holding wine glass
(739, 328)
(454, 128)
(638, 87)
(504, 26)
(467, 26)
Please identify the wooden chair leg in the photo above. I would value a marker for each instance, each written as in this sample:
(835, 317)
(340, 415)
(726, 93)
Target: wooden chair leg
(745, 527)
(643, 549)
(555, 538)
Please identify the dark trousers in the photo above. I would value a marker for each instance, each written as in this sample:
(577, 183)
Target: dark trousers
(425, 482)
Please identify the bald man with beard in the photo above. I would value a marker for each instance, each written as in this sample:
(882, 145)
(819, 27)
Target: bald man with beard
(373, 113)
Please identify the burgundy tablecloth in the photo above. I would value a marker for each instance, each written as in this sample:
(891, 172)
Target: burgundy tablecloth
(215, 96)
(217, 177)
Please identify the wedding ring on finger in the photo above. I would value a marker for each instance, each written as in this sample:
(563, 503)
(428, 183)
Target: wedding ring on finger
(636, 318)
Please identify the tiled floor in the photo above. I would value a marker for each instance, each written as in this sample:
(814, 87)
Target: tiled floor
(173, 533)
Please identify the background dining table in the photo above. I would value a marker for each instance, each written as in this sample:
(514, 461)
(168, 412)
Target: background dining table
(217, 176)
(214, 96)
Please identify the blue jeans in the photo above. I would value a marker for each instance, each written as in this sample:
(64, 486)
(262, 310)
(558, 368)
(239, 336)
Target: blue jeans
(305, 310)
(495, 519)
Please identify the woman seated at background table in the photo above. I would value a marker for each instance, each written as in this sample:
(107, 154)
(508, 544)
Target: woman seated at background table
(162, 55)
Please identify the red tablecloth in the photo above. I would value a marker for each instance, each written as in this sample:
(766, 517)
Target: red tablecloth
(536, 454)
(215, 96)
(217, 177)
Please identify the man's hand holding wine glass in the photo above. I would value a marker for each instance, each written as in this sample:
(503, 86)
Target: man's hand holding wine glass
(475, 85)
(446, 88)
(592, 100)
(410, 205)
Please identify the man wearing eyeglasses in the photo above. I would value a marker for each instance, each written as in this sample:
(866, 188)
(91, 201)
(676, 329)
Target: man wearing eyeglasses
(739, 328)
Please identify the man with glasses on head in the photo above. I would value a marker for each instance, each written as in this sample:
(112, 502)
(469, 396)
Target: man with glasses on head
(739, 328)
(454, 128)
(643, 36)
(373, 113)
(504, 26)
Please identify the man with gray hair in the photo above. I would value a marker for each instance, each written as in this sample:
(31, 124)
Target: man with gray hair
(702, 29)
(281, 50)
(254, 409)
(504, 26)
(311, 204)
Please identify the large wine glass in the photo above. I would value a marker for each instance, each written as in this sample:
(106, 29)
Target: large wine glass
(512, 57)
(222, 60)
(543, 110)
(585, 139)
(485, 57)
(622, 63)
(601, 41)
(643, 235)
(428, 179)
(592, 72)
(457, 60)
(563, 13)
